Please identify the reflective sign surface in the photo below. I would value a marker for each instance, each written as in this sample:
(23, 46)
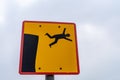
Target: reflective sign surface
(48, 48)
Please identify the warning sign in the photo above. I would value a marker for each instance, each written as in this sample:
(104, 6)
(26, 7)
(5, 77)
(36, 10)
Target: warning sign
(48, 48)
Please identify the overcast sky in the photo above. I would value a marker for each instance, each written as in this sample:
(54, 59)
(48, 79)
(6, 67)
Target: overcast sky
(98, 32)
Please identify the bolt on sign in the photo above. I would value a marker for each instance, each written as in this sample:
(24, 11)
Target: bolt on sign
(48, 48)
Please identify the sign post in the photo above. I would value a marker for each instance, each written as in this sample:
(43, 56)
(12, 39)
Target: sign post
(48, 48)
(49, 77)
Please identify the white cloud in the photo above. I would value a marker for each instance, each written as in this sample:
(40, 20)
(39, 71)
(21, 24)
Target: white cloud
(28, 3)
(94, 32)
(2, 11)
(98, 52)
(24, 3)
(98, 35)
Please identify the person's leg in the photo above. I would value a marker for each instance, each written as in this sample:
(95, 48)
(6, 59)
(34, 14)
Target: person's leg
(53, 42)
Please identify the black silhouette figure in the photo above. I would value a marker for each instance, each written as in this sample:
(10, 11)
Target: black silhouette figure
(59, 36)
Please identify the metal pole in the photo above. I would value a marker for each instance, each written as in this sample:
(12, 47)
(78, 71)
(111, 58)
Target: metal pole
(49, 77)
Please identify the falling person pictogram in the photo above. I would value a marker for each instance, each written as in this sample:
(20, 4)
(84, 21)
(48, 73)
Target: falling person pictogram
(59, 36)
